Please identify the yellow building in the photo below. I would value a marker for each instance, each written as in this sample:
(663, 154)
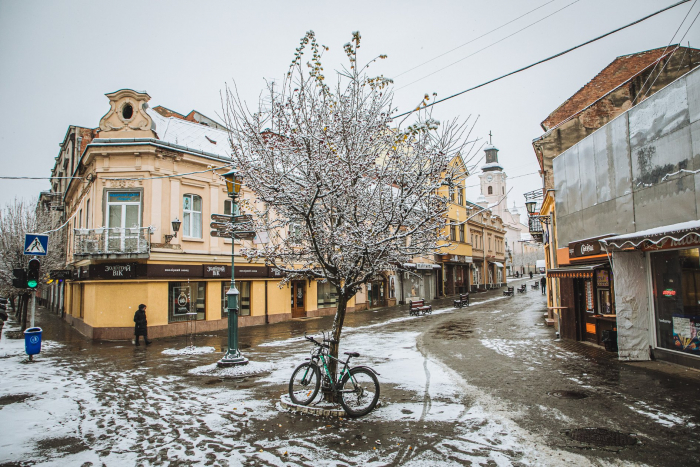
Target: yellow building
(142, 170)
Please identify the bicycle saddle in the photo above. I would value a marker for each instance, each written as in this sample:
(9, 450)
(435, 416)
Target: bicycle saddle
(352, 354)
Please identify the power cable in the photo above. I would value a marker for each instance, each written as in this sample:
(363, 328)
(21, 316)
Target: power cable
(544, 60)
(475, 39)
(488, 46)
(119, 178)
(663, 54)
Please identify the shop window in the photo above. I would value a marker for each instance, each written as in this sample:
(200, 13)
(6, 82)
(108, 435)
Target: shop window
(186, 301)
(327, 295)
(243, 299)
(192, 216)
(676, 282)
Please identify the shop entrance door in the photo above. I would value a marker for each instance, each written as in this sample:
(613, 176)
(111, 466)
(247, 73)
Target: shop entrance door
(298, 297)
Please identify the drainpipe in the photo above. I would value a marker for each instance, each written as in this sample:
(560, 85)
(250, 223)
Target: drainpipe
(267, 320)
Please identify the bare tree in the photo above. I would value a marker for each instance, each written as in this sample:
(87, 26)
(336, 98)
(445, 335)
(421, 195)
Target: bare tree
(17, 219)
(343, 192)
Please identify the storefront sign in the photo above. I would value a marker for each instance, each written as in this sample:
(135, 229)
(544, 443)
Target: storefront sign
(217, 270)
(424, 266)
(113, 271)
(686, 333)
(589, 296)
(587, 248)
(251, 271)
(181, 300)
(175, 270)
(58, 274)
(275, 273)
(603, 278)
(690, 240)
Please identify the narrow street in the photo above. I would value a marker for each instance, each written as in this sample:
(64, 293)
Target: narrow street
(484, 385)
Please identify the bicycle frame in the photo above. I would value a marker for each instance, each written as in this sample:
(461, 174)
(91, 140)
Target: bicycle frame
(334, 382)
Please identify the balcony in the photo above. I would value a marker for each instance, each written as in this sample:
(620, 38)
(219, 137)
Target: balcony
(104, 243)
(536, 230)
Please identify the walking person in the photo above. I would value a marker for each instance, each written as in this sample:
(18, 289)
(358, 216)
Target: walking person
(141, 324)
(543, 284)
(530, 274)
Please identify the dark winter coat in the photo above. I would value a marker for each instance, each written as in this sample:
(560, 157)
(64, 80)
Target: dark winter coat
(140, 323)
(543, 282)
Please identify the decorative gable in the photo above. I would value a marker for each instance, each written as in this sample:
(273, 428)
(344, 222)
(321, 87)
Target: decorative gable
(127, 116)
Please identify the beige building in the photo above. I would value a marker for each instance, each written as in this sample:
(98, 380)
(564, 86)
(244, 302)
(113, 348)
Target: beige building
(138, 172)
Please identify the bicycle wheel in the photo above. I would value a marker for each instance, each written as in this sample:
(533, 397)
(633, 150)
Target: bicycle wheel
(304, 384)
(359, 394)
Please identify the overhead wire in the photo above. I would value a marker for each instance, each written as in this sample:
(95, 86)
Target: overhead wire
(539, 62)
(488, 46)
(475, 39)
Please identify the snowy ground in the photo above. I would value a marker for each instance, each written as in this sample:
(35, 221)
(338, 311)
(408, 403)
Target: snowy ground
(113, 404)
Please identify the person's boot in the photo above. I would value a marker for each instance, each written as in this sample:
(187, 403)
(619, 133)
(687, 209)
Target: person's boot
(137, 341)
(148, 342)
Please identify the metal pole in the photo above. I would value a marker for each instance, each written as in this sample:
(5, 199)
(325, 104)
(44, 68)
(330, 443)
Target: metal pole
(233, 356)
(33, 309)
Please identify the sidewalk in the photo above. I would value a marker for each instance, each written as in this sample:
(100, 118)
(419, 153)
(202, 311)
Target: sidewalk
(458, 386)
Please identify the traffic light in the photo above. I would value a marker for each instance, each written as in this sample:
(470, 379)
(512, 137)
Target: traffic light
(33, 273)
(20, 280)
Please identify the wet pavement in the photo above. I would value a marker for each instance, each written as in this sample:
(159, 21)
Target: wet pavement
(484, 385)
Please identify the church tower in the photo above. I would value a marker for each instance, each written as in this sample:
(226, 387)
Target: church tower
(493, 181)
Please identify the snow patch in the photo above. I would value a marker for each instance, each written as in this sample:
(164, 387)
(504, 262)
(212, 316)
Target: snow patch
(191, 350)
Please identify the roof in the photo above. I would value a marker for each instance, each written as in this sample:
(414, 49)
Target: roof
(191, 135)
(618, 72)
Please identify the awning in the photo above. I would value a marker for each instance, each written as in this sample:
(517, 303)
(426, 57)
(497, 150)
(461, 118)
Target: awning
(681, 234)
(498, 265)
(574, 272)
(421, 266)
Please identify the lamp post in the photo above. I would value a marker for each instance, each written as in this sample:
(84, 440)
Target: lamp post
(233, 356)
(176, 228)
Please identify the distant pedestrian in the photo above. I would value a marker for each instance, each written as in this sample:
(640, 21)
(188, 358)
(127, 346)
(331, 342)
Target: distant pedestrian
(141, 324)
(530, 274)
(543, 284)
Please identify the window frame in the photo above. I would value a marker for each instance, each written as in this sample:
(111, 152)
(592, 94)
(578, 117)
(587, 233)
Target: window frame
(192, 215)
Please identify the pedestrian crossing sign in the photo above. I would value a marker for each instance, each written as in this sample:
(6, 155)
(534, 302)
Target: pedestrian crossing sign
(36, 244)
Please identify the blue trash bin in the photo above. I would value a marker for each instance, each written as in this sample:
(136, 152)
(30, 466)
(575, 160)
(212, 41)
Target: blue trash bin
(32, 341)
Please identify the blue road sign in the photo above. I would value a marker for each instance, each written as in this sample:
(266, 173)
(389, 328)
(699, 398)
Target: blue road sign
(36, 244)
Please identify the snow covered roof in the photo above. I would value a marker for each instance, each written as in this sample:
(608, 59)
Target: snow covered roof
(675, 232)
(491, 165)
(490, 147)
(191, 135)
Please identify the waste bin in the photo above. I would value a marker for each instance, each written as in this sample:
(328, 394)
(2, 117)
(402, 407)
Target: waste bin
(32, 341)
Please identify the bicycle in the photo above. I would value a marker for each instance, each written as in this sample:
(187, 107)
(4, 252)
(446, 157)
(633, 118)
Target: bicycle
(357, 388)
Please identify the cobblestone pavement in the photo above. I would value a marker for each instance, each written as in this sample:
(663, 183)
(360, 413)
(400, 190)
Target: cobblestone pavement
(474, 386)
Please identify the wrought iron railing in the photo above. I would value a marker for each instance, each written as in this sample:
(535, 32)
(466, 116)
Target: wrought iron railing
(535, 225)
(114, 241)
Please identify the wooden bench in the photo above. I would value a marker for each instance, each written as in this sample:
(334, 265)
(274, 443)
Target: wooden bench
(417, 307)
(509, 291)
(536, 285)
(462, 301)
(522, 288)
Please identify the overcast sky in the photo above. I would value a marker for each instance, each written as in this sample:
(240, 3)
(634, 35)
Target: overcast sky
(58, 59)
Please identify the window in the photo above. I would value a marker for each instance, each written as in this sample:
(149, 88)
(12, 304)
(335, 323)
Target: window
(472, 235)
(452, 193)
(123, 215)
(243, 299)
(327, 295)
(80, 219)
(461, 233)
(489, 243)
(227, 207)
(503, 190)
(186, 301)
(453, 233)
(87, 215)
(490, 190)
(460, 196)
(192, 216)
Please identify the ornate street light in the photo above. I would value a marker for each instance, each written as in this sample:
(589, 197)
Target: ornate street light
(531, 206)
(233, 355)
(176, 228)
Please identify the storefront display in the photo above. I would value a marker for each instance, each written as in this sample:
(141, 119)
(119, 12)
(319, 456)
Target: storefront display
(327, 295)
(676, 282)
(243, 299)
(185, 298)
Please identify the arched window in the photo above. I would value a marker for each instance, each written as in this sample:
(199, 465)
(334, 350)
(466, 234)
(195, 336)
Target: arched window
(192, 216)
(490, 190)
(503, 190)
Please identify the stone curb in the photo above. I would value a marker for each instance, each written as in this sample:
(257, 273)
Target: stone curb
(287, 404)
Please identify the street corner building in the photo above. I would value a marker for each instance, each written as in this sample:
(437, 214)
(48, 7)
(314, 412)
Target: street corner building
(622, 202)
(145, 184)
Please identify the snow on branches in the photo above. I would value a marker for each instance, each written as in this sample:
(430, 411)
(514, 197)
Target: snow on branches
(345, 192)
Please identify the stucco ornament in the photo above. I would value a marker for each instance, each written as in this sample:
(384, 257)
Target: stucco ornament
(127, 111)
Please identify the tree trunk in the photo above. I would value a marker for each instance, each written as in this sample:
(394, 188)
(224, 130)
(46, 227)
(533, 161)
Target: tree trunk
(335, 335)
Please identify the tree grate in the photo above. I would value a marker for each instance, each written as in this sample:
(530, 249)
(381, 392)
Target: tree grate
(568, 394)
(601, 437)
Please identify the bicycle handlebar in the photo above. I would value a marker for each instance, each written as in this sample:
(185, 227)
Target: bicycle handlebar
(310, 338)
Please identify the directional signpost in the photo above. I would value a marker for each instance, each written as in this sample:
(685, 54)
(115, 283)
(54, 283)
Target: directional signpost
(36, 244)
(222, 226)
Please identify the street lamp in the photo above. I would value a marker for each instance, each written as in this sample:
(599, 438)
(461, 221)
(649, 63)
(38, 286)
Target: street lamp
(531, 206)
(233, 355)
(176, 228)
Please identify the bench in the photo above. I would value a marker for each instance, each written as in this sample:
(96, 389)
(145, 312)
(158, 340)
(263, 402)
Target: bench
(509, 291)
(522, 288)
(536, 285)
(417, 307)
(462, 301)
